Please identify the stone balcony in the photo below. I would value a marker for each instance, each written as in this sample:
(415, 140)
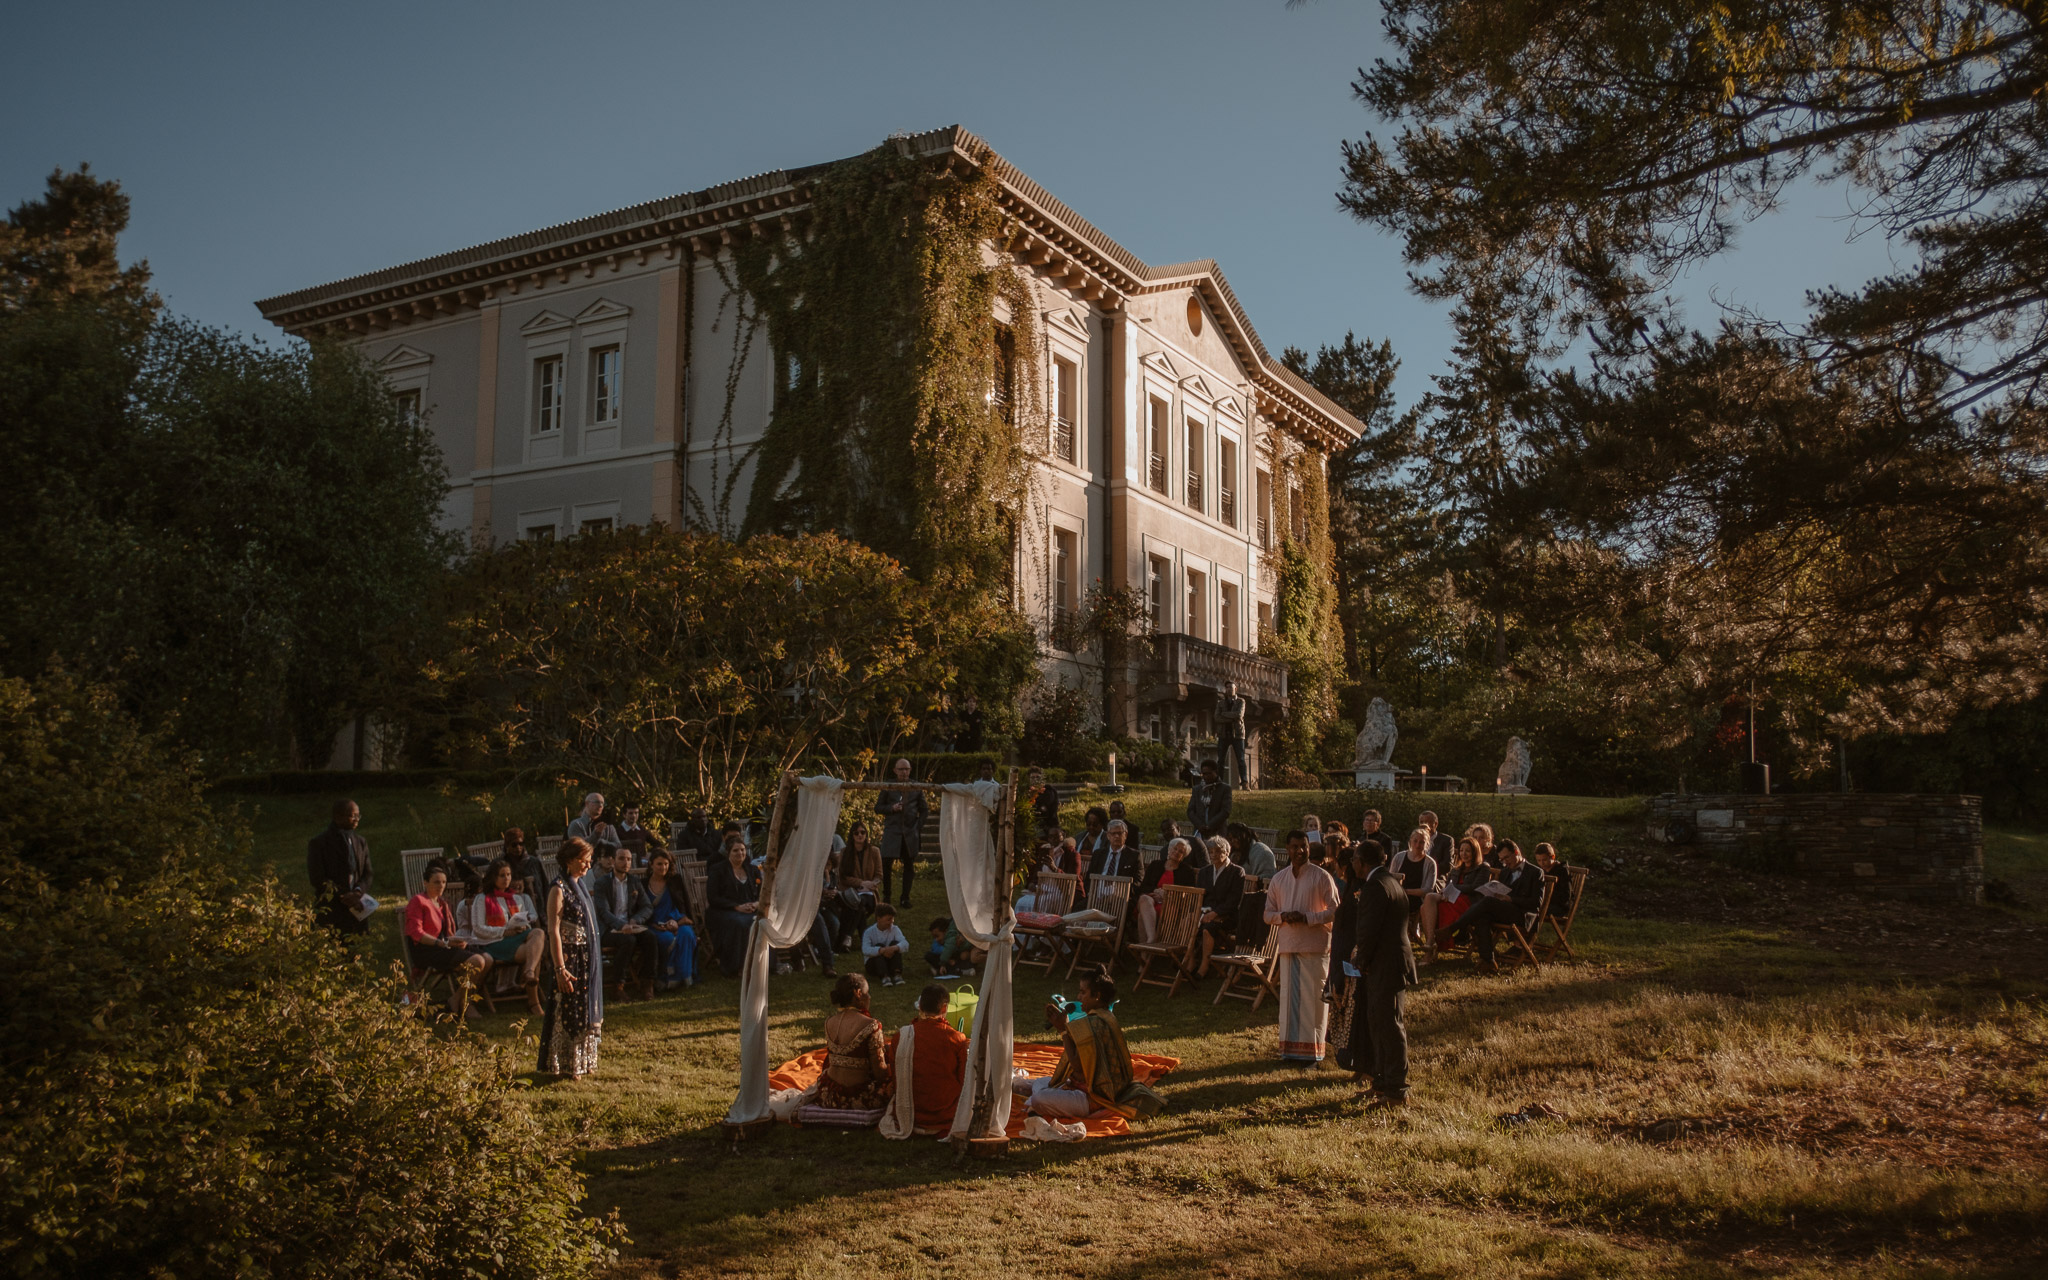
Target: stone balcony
(1180, 665)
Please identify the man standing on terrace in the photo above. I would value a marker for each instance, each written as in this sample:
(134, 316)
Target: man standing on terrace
(903, 814)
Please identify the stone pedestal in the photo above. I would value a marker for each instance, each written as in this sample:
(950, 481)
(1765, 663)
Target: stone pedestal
(1509, 789)
(1373, 777)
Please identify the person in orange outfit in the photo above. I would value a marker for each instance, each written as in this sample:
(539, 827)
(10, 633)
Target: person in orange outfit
(938, 1061)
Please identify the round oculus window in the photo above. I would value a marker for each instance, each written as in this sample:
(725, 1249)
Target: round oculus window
(1194, 315)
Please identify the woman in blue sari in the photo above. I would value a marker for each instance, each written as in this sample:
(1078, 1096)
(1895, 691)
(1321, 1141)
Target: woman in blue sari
(674, 932)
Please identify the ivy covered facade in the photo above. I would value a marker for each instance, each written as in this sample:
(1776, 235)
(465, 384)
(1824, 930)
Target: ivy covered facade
(924, 350)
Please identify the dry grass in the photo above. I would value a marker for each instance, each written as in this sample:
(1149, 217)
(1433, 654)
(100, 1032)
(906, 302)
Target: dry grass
(1739, 1100)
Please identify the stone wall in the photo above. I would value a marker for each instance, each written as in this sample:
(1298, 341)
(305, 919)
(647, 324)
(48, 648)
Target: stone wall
(1901, 846)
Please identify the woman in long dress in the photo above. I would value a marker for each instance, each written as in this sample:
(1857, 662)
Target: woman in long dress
(575, 1011)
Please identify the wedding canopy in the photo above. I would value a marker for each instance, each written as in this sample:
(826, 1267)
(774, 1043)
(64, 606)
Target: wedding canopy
(976, 862)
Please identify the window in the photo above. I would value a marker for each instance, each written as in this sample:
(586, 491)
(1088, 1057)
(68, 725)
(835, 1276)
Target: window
(1264, 500)
(1001, 386)
(604, 385)
(547, 396)
(538, 533)
(1064, 557)
(1063, 373)
(1194, 464)
(598, 524)
(408, 405)
(1155, 593)
(1198, 604)
(1265, 619)
(1226, 481)
(1227, 593)
(1157, 474)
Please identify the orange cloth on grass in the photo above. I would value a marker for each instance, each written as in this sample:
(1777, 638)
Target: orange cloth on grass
(803, 1070)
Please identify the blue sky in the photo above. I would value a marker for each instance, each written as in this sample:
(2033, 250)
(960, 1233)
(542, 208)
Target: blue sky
(270, 147)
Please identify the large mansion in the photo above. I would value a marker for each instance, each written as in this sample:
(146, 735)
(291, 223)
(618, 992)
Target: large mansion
(592, 374)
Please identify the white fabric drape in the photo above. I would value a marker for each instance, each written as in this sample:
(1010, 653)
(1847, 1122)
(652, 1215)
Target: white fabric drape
(784, 920)
(979, 898)
(900, 1120)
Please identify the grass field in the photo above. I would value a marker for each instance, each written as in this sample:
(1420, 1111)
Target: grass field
(1753, 1082)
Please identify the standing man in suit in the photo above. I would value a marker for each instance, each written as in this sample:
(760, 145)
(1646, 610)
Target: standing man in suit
(903, 814)
(1230, 732)
(1379, 1031)
(338, 868)
(1209, 801)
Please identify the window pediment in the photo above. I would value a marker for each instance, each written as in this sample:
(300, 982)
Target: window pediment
(1068, 322)
(603, 311)
(1157, 362)
(404, 358)
(1194, 386)
(1229, 408)
(546, 322)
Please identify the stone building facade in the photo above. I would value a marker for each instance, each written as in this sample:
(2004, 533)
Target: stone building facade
(597, 373)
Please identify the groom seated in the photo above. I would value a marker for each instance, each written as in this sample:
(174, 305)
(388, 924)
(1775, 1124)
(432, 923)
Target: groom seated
(938, 1062)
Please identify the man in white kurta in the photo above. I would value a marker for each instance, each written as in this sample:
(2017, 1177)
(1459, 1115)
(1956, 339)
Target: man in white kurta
(1301, 903)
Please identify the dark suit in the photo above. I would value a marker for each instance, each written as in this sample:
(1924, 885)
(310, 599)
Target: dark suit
(1525, 898)
(1379, 1032)
(1209, 807)
(1222, 893)
(338, 863)
(1116, 862)
(636, 954)
(900, 833)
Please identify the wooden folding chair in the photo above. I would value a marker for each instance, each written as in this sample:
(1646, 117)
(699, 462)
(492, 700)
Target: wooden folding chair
(1520, 933)
(1110, 895)
(422, 981)
(1060, 886)
(1179, 918)
(1562, 928)
(415, 863)
(1257, 966)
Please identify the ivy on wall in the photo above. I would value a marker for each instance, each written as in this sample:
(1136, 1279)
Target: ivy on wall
(896, 421)
(1308, 637)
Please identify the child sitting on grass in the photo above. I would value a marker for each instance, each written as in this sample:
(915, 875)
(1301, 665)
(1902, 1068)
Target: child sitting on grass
(945, 949)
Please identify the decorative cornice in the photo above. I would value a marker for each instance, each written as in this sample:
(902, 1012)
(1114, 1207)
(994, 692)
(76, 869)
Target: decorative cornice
(1044, 235)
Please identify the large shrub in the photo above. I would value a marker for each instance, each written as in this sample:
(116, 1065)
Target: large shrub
(199, 1082)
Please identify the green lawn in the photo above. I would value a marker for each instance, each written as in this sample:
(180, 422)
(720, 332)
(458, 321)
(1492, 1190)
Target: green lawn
(1738, 1101)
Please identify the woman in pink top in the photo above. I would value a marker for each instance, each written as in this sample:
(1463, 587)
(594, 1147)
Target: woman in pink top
(432, 944)
(1301, 903)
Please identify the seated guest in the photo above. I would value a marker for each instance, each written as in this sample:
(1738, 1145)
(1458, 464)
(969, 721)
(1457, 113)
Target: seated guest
(734, 888)
(1483, 833)
(929, 1060)
(697, 835)
(1441, 845)
(1251, 853)
(1521, 901)
(1115, 856)
(623, 910)
(430, 928)
(856, 1070)
(674, 932)
(1454, 893)
(1415, 869)
(1545, 857)
(1369, 833)
(1222, 884)
(1095, 1064)
(1094, 837)
(947, 948)
(1335, 849)
(501, 922)
(526, 864)
(1172, 867)
(884, 944)
(633, 836)
(860, 879)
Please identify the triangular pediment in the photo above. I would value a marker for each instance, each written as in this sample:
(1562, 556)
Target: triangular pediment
(546, 322)
(404, 356)
(1069, 322)
(601, 310)
(1194, 385)
(1230, 408)
(1158, 363)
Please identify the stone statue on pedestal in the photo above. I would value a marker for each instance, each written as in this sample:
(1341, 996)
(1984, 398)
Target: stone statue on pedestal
(1374, 766)
(1513, 778)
